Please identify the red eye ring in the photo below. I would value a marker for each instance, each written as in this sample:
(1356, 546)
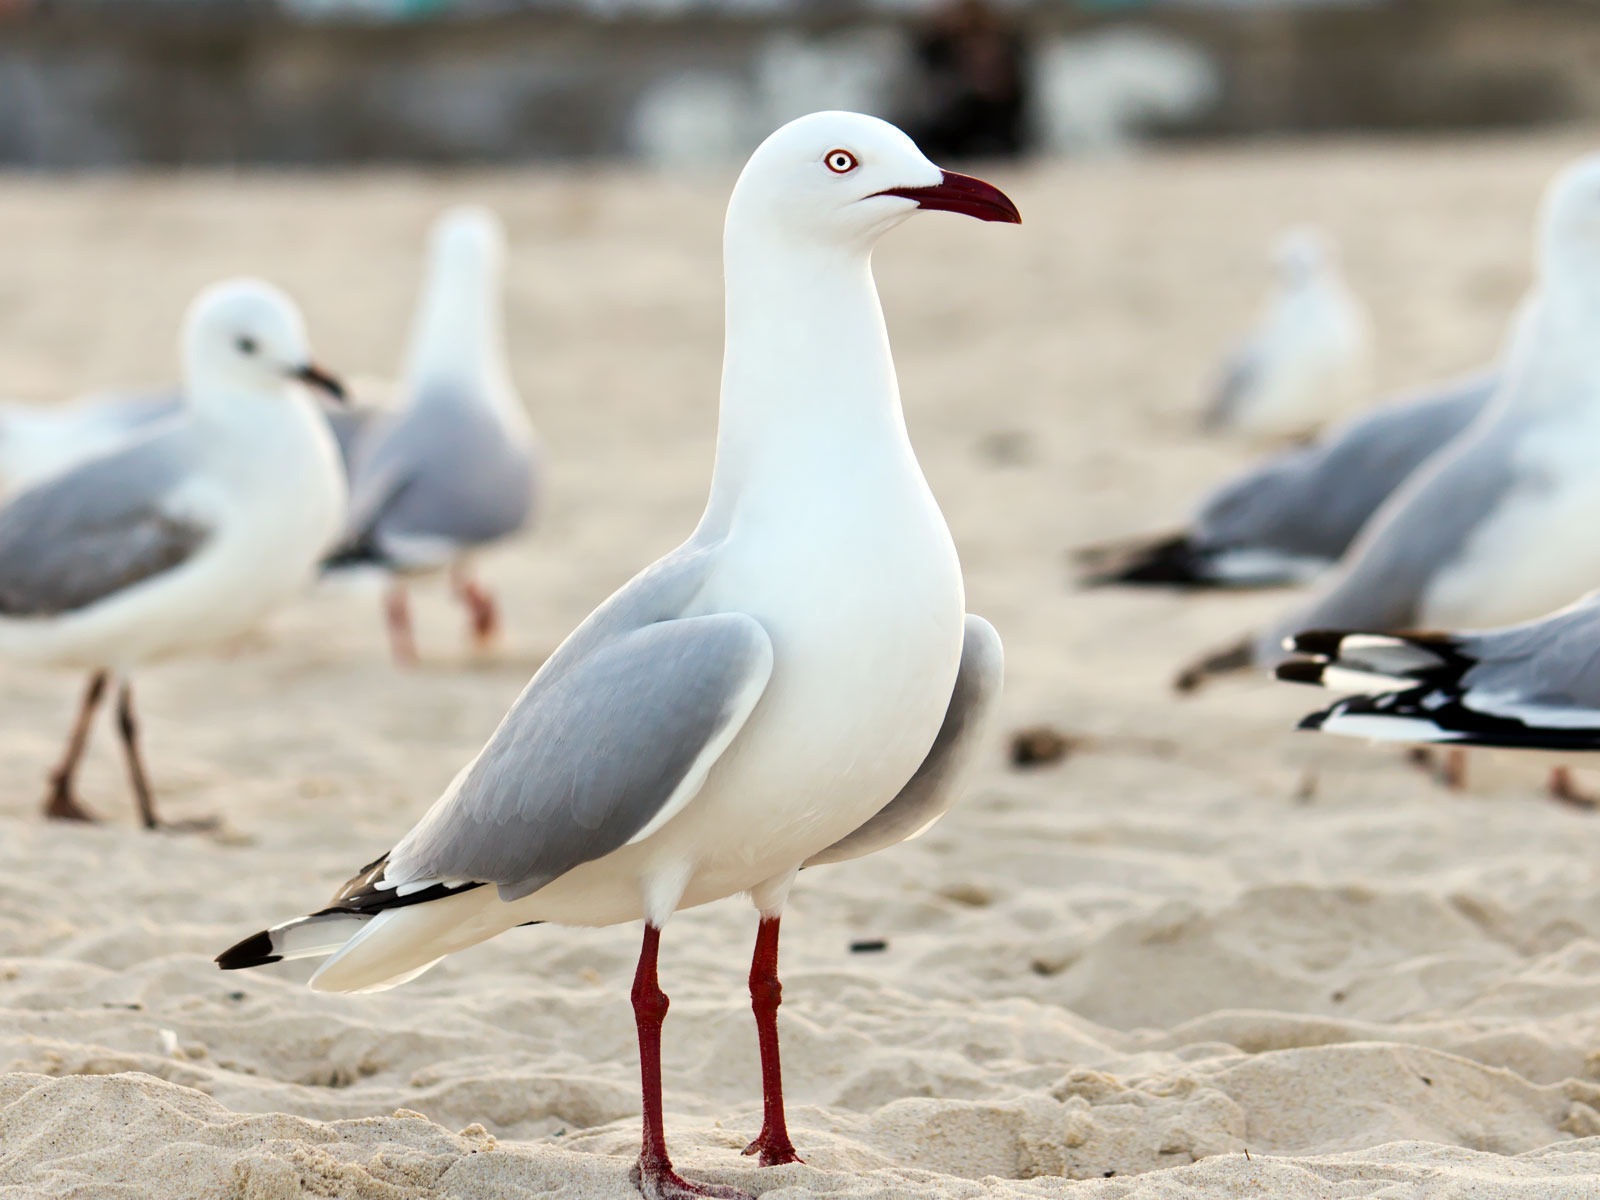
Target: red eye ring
(841, 162)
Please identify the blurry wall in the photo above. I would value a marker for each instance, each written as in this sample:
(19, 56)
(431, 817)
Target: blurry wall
(241, 82)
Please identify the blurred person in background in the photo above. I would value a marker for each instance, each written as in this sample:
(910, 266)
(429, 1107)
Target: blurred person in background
(973, 90)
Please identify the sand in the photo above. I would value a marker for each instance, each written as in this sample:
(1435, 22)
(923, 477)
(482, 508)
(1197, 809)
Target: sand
(1159, 968)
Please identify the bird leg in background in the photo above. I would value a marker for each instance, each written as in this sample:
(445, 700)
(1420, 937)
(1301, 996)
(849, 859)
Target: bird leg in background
(766, 993)
(653, 1174)
(484, 613)
(397, 614)
(128, 726)
(1454, 772)
(61, 802)
(1562, 787)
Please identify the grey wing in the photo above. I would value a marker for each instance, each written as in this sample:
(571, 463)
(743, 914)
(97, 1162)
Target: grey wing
(93, 530)
(444, 472)
(1552, 662)
(1312, 502)
(351, 424)
(594, 754)
(940, 779)
(1417, 532)
(1240, 371)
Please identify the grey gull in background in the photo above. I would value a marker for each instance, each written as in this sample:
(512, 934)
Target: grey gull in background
(799, 682)
(1288, 519)
(1309, 359)
(1500, 527)
(453, 468)
(185, 534)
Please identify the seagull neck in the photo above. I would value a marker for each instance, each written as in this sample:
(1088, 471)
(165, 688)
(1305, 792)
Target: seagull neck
(809, 395)
(457, 340)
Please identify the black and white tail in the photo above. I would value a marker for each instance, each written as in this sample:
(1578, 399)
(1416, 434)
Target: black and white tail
(1414, 688)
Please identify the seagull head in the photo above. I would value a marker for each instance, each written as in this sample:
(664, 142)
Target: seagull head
(468, 237)
(247, 335)
(1301, 254)
(845, 179)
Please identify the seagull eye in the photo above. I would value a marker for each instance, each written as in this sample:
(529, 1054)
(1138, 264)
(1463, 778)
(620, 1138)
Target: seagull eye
(245, 345)
(841, 162)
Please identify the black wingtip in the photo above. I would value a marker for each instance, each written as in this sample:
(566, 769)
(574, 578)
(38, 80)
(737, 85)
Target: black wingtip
(254, 951)
(1312, 722)
(1301, 670)
(1324, 643)
(1171, 562)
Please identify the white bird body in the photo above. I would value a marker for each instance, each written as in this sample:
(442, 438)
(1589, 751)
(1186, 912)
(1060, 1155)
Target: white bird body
(265, 542)
(1309, 360)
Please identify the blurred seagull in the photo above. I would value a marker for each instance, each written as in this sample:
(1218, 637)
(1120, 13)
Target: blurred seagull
(1534, 686)
(798, 683)
(1309, 359)
(453, 468)
(188, 531)
(1288, 519)
(1500, 527)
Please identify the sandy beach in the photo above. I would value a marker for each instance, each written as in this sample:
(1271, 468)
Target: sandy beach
(1203, 956)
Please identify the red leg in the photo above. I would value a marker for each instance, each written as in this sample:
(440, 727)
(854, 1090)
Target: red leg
(1454, 774)
(397, 614)
(481, 607)
(766, 993)
(653, 1174)
(61, 801)
(1564, 788)
(128, 726)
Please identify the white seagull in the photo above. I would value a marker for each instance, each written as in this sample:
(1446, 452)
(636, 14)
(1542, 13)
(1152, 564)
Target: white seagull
(453, 468)
(1309, 359)
(1499, 527)
(186, 533)
(798, 683)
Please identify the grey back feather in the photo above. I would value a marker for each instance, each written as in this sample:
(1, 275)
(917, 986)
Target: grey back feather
(1239, 374)
(1552, 661)
(599, 741)
(1312, 501)
(96, 528)
(440, 469)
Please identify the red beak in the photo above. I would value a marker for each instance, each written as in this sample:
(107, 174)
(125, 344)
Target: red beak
(962, 194)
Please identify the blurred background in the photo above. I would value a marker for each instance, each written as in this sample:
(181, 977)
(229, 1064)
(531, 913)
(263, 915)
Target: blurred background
(110, 83)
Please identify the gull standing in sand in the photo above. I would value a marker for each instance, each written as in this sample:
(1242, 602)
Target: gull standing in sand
(1287, 520)
(453, 468)
(185, 534)
(797, 683)
(1308, 361)
(1499, 528)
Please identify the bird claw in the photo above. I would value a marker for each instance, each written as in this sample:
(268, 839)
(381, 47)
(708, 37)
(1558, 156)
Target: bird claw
(774, 1151)
(62, 805)
(663, 1183)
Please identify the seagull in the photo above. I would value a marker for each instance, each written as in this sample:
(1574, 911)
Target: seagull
(1288, 519)
(453, 468)
(1499, 528)
(797, 683)
(184, 534)
(1308, 360)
